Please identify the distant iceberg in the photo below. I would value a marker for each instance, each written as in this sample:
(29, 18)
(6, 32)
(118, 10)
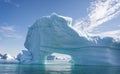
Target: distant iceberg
(54, 34)
(7, 59)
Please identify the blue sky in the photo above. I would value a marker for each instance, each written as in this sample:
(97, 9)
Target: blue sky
(17, 15)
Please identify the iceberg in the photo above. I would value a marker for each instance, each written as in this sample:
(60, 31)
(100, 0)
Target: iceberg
(54, 34)
(8, 59)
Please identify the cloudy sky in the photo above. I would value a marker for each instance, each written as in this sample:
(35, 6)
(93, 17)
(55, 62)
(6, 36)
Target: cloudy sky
(92, 16)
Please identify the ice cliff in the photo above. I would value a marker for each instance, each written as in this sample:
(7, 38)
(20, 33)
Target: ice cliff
(53, 34)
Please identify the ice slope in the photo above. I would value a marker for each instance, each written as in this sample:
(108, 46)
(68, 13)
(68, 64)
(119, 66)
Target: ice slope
(53, 34)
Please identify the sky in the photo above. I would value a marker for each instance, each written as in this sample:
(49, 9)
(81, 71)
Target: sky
(92, 16)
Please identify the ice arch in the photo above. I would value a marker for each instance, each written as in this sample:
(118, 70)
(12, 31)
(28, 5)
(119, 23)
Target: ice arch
(52, 34)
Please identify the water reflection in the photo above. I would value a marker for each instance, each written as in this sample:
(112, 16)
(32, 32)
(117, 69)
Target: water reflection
(58, 69)
(44, 69)
(96, 69)
(31, 69)
(8, 69)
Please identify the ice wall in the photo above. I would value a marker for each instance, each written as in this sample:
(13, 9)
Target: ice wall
(53, 34)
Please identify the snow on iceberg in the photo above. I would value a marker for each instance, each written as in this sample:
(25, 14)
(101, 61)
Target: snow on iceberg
(54, 34)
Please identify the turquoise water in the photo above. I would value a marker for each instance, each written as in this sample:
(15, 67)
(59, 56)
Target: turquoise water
(58, 69)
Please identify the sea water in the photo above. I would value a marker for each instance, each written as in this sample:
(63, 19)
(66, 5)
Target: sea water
(57, 69)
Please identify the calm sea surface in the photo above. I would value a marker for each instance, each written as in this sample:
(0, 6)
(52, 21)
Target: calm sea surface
(58, 69)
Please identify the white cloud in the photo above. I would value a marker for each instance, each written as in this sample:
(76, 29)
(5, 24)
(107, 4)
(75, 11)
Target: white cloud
(7, 28)
(111, 33)
(12, 3)
(100, 11)
(7, 1)
(9, 32)
(114, 34)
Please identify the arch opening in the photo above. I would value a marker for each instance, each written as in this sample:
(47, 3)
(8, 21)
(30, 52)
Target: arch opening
(58, 58)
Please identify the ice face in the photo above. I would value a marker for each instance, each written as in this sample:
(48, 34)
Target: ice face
(52, 34)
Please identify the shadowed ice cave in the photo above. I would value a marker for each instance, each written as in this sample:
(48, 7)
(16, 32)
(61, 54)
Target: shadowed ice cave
(53, 34)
